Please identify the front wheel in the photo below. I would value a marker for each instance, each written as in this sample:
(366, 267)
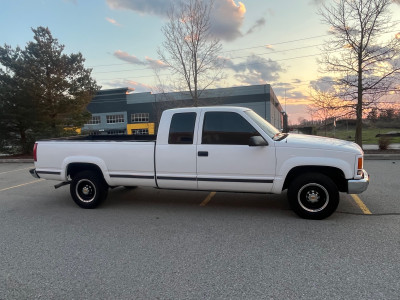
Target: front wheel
(88, 189)
(313, 196)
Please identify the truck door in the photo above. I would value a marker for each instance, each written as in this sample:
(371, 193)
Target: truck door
(226, 161)
(176, 154)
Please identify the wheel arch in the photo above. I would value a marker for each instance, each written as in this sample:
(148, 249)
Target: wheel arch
(335, 174)
(75, 164)
(77, 167)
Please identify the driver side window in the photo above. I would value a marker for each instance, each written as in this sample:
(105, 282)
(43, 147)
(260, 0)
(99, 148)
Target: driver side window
(226, 128)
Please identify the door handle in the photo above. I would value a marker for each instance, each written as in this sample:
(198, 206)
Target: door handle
(202, 153)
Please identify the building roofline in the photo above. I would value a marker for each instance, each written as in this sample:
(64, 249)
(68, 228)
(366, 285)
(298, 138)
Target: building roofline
(124, 90)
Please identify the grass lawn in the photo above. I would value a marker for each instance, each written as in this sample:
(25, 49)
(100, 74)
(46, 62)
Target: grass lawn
(368, 134)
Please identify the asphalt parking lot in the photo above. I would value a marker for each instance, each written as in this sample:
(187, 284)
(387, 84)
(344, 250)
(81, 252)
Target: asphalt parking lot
(154, 244)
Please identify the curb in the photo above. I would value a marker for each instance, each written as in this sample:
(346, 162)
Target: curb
(382, 156)
(16, 160)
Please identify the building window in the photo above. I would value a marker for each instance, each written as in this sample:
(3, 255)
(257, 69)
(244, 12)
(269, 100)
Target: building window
(140, 131)
(111, 119)
(116, 132)
(140, 118)
(94, 120)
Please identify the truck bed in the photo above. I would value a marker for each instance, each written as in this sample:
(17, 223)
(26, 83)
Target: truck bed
(123, 159)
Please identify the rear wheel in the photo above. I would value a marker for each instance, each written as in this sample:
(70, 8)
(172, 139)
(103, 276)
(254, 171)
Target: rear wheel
(88, 189)
(313, 196)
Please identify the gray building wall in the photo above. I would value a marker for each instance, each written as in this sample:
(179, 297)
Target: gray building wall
(108, 102)
(260, 98)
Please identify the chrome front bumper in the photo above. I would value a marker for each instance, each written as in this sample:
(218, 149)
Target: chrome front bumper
(357, 186)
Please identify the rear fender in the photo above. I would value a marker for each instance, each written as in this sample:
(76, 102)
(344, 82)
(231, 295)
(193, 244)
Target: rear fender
(85, 160)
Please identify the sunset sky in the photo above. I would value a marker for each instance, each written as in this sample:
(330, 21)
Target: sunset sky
(269, 41)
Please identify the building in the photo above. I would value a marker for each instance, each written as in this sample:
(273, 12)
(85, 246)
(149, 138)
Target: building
(121, 111)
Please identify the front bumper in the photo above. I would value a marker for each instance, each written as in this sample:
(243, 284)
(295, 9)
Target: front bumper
(357, 186)
(33, 173)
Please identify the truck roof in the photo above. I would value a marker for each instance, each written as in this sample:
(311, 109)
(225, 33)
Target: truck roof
(212, 108)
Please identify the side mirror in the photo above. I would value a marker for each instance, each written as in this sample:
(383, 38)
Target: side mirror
(255, 141)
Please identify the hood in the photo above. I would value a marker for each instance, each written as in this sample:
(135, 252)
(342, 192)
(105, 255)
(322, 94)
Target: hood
(318, 142)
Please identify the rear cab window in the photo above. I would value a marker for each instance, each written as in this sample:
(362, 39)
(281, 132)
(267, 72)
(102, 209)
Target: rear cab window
(181, 130)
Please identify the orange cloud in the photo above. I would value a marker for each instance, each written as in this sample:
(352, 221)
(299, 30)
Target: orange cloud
(112, 21)
(241, 7)
(122, 55)
(269, 47)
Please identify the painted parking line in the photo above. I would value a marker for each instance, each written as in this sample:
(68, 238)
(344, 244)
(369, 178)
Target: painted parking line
(361, 204)
(15, 170)
(208, 199)
(19, 185)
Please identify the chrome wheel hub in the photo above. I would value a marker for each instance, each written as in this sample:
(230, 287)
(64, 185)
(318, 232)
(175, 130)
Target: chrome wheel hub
(312, 196)
(85, 190)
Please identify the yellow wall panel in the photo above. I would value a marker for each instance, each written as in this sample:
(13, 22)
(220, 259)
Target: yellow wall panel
(148, 126)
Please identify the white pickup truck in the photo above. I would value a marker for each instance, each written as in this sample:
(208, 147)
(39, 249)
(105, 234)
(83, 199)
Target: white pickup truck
(209, 149)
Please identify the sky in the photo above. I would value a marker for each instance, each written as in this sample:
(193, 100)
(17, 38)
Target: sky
(263, 41)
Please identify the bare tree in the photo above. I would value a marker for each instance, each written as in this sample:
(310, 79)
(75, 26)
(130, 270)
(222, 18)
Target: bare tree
(366, 65)
(326, 106)
(190, 50)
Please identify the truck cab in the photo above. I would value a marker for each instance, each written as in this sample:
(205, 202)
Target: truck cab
(212, 149)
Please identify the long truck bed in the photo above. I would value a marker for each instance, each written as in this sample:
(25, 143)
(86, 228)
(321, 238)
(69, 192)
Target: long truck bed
(131, 163)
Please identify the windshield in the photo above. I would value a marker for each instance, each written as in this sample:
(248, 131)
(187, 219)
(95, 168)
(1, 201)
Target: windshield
(270, 130)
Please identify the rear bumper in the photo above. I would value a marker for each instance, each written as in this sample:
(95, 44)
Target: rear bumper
(357, 186)
(33, 173)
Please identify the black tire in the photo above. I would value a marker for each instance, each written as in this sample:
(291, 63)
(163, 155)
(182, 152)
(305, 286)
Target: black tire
(88, 189)
(313, 196)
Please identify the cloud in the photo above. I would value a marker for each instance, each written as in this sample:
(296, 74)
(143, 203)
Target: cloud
(156, 63)
(226, 16)
(155, 7)
(289, 90)
(270, 47)
(255, 70)
(323, 84)
(266, 70)
(122, 55)
(112, 21)
(259, 23)
(132, 59)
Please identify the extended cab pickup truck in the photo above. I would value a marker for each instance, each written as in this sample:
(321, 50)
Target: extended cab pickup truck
(209, 149)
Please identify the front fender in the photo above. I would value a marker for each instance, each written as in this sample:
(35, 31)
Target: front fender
(287, 165)
(293, 162)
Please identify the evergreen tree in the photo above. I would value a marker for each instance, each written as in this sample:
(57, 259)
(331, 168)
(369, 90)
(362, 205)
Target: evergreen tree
(43, 91)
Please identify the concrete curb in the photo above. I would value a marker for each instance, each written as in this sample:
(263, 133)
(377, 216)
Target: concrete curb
(382, 156)
(16, 160)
